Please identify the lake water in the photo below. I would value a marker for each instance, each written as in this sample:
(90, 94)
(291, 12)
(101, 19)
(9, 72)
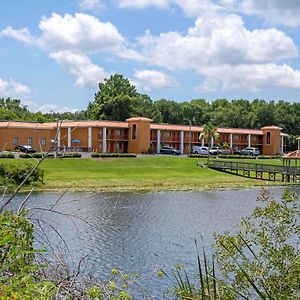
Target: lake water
(141, 233)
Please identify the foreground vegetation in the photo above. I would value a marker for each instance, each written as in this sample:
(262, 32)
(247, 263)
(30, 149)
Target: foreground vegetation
(261, 260)
(146, 173)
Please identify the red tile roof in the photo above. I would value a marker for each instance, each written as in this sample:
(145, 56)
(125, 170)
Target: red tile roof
(31, 125)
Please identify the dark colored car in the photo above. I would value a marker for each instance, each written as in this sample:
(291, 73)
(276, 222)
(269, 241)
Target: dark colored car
(25, 149)
(169, 150)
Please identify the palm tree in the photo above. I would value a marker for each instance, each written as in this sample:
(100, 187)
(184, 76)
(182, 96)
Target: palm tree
(209, 132)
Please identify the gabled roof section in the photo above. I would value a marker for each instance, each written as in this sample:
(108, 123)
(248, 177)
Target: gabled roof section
(138, 119)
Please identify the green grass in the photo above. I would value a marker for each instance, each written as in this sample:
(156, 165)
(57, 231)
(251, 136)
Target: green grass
(148, 173)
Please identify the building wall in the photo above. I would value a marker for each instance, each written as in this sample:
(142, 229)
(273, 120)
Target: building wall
(119, 139)
(21, 136)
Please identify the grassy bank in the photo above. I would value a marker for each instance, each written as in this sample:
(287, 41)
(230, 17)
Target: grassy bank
(148, 173)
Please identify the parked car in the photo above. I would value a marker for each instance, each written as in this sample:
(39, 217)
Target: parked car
(200, 150)
(250, 151)
(169, 150)
(216, 150)
(25, 149)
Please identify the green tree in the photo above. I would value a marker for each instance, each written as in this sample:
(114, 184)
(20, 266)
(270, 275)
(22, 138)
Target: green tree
(115, 100)
(262, 259)
(209, 132)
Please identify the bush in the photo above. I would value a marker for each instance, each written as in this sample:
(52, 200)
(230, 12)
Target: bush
(112, 155)
(19, 277)
(15, 173)
(7, 155)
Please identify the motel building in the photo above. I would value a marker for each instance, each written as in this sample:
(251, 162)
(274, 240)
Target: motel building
(136, 135)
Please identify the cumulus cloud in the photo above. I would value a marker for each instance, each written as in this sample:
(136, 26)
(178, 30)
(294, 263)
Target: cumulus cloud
(249, 77)
(22, 35)
(69, 39)
(11, 88)
(143, 3)
(226, 54)
(91, 4)
(80, 32)
(147, 80)
(275, 11)
(219, 40)
(49, 108)
(87, 73)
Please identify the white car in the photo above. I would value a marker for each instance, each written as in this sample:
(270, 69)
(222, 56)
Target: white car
(200, 150)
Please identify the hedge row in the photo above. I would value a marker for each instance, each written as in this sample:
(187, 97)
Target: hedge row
(235, 156)
(7, 155)
(50, 155)
(110, 155)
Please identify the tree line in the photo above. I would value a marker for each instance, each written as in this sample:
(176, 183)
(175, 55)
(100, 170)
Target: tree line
(118, 100)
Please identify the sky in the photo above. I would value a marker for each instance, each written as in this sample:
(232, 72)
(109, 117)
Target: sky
(53, 53)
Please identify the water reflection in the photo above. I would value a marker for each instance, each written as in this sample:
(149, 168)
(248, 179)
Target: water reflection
(141, 232)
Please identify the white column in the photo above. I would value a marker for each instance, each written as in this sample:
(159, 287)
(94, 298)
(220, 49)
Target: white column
(69, 137)
(89, 138)
(282, 144)
(230, 141)
(211, 141)
(249, 140)
(104, 140)
(158, 142)
(182, 141)
(202, 141)
(58, 137)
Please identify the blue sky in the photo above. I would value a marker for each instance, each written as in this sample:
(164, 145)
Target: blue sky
(53, 53)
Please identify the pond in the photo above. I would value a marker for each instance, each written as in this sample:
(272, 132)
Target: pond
(141, 233)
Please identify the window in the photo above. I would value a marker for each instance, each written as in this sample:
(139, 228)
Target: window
(133, 132)
(117, 132)
(29, 141)
(268, 138)
(15, 141)
(167, 134)
(43, 142)
(254, 138)
(236, 137)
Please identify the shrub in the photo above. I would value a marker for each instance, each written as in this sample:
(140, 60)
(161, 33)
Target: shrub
(112, 155)
(15, 173)
(7, 155)
(19, 278)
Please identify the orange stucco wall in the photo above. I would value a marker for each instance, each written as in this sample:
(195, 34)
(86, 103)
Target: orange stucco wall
(273, 148)
(142, 142)
(22, 134)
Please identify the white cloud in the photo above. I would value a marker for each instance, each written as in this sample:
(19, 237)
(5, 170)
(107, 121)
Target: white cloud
(249, 77)
(143, 3)
(14, 89)
(275, 11)
(70, 39)
(219, 40)
(49, 108)
(22, 35)
(147, 80)
(80, 32)
(225, 53)
(91, 4)
(87, 73)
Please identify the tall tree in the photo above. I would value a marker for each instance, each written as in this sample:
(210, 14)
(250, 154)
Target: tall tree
(115, 100)
(209, 132)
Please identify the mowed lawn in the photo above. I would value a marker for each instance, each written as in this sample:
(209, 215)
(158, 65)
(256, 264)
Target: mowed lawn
(145, 173)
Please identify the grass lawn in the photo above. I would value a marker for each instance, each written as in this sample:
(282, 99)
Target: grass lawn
(146, 173)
